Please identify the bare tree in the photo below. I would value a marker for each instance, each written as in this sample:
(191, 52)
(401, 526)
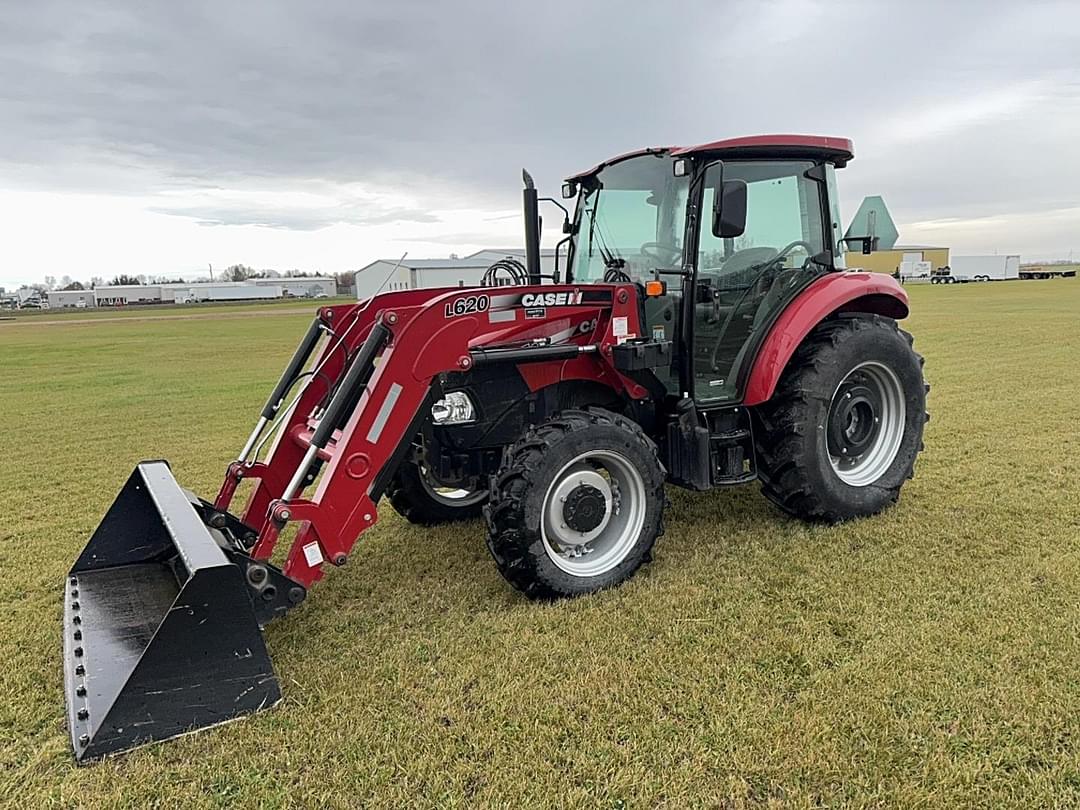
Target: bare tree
(238, 272)
(346, 281)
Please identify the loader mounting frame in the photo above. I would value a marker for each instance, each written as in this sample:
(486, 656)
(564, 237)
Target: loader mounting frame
(347, 438)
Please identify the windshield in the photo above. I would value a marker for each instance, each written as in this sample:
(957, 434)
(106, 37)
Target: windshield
(630, 219)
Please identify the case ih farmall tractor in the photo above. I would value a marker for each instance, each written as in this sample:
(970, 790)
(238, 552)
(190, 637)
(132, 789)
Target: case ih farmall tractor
(701, 332)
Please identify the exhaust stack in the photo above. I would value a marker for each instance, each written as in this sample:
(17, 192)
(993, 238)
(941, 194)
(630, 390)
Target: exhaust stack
(532, 228)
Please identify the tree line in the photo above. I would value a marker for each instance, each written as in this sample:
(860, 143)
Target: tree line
(235, 272)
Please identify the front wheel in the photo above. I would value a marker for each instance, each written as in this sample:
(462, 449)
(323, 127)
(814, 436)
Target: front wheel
(576, 506)
(840, 436)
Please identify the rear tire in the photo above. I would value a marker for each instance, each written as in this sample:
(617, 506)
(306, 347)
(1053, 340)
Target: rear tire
(576, 506)
(422, 501)
(841, 434)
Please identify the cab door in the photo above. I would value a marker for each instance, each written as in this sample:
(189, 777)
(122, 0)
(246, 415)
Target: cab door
(744, 282)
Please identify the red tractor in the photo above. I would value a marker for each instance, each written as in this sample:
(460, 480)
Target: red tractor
(699, 329)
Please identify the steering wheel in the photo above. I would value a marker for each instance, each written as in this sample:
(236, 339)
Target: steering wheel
(656, 251)
(788, 248)
(765, 265)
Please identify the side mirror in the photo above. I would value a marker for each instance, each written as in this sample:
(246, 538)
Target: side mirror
(729, 209)
(569, 189)
(869, 243)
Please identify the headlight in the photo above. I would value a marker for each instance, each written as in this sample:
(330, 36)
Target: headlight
(454, 409)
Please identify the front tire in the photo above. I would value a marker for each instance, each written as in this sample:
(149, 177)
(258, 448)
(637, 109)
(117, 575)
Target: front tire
(576, 506)
(841, 434)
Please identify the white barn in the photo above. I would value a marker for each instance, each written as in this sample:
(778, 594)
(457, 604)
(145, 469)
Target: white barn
(389, 275)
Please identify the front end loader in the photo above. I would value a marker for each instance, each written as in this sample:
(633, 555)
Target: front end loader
(699, 329)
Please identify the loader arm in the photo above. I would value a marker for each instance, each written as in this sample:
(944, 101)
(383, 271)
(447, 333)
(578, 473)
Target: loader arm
(378, 374)
(343, 329)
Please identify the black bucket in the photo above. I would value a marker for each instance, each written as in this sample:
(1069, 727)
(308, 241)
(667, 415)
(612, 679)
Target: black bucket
(162, 623)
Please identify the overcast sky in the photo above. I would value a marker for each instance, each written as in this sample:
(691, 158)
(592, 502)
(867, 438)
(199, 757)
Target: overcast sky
(157, 138)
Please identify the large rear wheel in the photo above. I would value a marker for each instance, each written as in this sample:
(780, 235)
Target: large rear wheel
(576, 506)
(841, 434)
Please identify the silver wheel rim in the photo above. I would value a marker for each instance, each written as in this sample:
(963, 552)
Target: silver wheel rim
(889, 414)
(599, 550)
(448, 496)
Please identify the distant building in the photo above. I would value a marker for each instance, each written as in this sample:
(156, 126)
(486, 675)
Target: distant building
(299, 286)
(59, 299)
(874, 221)
(24, 294)
(912, 261)
(547, 258)
(221, 291)
(180, 292)
(129, 294)
(388, 275)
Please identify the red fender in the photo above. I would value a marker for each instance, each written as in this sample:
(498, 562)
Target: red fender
(852, 291)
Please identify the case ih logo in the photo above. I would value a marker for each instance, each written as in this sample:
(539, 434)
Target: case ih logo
(551, 299)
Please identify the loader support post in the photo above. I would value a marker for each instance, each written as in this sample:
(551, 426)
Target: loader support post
(292, 371)
(277, 396)
(352, 386)
(342, 403)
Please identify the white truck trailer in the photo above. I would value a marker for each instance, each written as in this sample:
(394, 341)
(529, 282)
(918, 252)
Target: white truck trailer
(226, 291)
(985, 268)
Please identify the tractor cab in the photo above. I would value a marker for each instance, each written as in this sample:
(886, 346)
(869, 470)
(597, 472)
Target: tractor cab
(734, 229)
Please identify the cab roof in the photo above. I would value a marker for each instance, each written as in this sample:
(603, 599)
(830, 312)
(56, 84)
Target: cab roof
(824, 147)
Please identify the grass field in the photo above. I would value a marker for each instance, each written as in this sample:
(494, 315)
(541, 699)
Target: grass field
(204, 309)
(926, 657)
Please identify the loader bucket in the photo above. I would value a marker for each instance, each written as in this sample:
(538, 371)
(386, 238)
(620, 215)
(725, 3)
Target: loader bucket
(161, 635)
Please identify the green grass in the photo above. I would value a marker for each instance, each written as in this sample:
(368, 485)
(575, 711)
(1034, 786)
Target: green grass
(206, 308)
(925, 657)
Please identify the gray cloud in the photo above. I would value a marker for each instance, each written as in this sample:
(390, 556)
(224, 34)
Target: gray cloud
(296, 219)
(451, 239)
(965, 108)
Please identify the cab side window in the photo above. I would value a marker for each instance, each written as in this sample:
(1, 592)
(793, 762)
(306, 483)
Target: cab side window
(744, 281)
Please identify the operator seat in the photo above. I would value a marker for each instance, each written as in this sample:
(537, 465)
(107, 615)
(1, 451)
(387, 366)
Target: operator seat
(728, 281)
